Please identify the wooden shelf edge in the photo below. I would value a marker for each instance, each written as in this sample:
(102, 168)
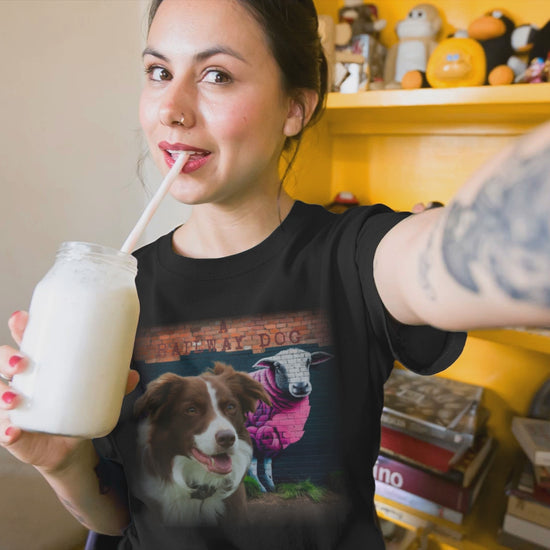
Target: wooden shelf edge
(515, 94)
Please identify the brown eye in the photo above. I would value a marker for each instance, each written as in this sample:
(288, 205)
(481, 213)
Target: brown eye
(191, 410)
(215, 76)
(158, 74)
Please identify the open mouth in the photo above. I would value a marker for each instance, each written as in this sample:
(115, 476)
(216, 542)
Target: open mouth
(193, 155)
(218, 464)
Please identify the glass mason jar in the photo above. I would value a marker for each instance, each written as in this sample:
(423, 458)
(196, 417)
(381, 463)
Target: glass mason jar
(82, 325)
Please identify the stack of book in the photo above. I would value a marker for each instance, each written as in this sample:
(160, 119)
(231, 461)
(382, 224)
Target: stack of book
(435, 450)
(527, 519)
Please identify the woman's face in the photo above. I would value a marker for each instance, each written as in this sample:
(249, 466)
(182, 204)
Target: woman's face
(208, 61)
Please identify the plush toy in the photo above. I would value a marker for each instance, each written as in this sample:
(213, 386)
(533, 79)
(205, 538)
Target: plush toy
(535, 44)
(541, 42)
(417, 35)
(363, 18)
(494, 32)
(457, 61)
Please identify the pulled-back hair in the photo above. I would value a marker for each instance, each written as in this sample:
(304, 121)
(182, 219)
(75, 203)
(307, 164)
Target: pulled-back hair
(291, 29)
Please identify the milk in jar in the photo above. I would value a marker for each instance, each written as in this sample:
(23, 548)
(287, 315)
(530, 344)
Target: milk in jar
(79, 339)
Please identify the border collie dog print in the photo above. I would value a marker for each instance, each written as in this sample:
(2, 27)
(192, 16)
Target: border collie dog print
(196, 448)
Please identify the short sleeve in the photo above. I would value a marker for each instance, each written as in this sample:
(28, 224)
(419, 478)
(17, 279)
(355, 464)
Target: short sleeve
(422, 349)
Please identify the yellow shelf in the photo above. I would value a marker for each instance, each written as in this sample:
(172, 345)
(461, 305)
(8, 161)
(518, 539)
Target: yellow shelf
(534, 340)
(520, 105)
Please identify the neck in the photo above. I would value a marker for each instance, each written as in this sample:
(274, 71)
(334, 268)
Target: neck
(216, 231)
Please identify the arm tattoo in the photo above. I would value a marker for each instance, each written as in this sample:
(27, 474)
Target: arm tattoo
(506, 231)
(425, 266)
(68, 504)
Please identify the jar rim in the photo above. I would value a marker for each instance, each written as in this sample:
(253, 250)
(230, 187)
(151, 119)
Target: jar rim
(99, 251)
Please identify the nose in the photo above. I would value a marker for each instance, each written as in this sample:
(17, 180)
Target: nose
(225, 438)
(175, 108)
(300, 389)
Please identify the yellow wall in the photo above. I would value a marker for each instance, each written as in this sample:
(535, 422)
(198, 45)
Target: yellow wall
(457, 14)
(402, 147)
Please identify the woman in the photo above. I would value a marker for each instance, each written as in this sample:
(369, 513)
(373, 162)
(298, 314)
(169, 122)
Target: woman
(319, 304)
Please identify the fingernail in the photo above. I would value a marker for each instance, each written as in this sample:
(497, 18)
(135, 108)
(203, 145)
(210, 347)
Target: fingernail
(14, 360)
(15, 313)
(9, 431)
(8, 397)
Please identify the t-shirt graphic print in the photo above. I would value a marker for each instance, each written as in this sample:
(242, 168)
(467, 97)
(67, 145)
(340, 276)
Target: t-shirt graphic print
(237, 420)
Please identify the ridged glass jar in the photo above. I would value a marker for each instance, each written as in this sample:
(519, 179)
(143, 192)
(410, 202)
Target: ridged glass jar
(82, 324)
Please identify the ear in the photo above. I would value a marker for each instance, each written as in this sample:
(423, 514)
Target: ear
(300, 109)
(319, 357)
(264, 363)
(158, 394)
(247, 390)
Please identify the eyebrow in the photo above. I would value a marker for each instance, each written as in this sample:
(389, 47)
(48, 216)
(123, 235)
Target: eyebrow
(200, 56)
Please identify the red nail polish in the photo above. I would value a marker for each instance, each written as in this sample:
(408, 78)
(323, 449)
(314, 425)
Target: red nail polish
(15, 313)
(14, 360)
(8, 397)
(9, 431)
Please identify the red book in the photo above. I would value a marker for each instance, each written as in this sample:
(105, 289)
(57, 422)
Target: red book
(433, 456)
(523, 484)
(425, 484)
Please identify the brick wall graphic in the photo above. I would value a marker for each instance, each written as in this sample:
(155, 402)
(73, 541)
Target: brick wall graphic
(255, 334)
(189, 349)
(308, 446)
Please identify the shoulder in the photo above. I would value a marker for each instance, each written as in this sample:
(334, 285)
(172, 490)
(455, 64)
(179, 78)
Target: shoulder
(150, 251)
(353, 220)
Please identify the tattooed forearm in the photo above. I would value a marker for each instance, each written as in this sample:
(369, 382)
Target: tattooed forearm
(505, 232)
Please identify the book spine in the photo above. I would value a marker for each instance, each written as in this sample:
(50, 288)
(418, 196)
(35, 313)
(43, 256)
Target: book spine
(422, 484)
(527, 530)
(537, 455)
(529, 510)
(416, 449)
(409, 424)
(392, 513)
(516, 543)
(418, 503)
(542, 476)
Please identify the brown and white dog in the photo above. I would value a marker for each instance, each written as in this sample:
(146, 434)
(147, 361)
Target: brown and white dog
(196, 449)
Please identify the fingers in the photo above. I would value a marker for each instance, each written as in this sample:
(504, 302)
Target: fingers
(418, 207)
(8, 400)
(421, 207)
(17, 323)
(8, 434)
(133, 380)
(11, 363)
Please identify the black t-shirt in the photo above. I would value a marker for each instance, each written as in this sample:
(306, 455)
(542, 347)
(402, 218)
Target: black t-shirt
(300, 314)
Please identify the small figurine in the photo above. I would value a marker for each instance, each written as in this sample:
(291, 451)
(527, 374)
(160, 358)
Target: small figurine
(360, 57)
(534, 73)
(342, 201)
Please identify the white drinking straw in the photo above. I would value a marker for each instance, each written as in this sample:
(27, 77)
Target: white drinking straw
(151, 208)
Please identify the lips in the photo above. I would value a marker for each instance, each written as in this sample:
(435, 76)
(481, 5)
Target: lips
(218, 464)
(197, 156)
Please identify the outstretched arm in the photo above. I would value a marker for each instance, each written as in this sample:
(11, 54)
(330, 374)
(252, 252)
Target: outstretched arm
(482, 261)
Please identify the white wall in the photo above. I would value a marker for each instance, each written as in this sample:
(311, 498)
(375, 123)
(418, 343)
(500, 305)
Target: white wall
(69, 135)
